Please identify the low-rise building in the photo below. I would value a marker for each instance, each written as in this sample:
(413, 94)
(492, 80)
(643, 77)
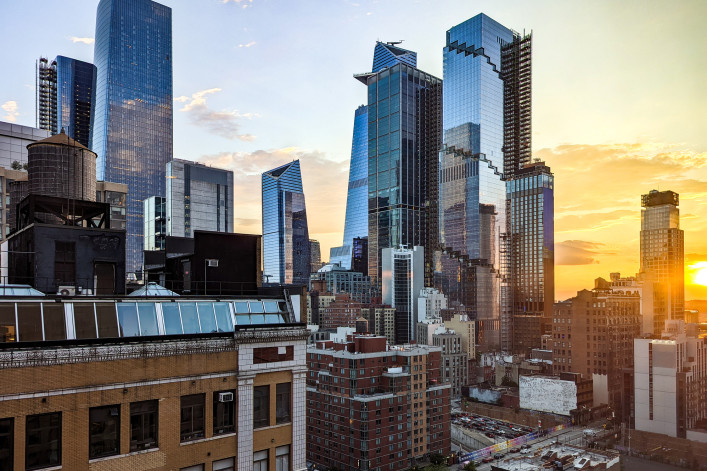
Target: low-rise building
(455, 363)
(670, 380)
(373, 406)
(159, 383)
(562, 457)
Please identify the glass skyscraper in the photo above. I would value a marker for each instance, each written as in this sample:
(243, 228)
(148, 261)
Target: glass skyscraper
(132, 132)
(663, 255)
(472, 192)
(356, 224)
(532, 253)
(404, 137)
(286, 250)
(66, 93)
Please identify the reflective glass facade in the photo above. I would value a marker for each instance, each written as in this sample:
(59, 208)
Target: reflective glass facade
(532, 247)
(155, 218)
(472, 193)
(404, 136)
(356, 224)
(199, 198)
(132, 132)
(286, 256)
(76, 94)
(387, 55)
(663, 255)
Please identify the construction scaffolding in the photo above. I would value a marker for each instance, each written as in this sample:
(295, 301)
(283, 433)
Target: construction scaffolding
(517, 103)
(46, 83)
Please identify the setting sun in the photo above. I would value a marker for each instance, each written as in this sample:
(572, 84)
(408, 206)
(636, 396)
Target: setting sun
(699, 273)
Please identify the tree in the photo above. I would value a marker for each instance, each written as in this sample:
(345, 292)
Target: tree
(16, 165)
(436, 458)
(470, 466)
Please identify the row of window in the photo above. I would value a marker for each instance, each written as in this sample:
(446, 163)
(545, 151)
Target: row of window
(43, 432)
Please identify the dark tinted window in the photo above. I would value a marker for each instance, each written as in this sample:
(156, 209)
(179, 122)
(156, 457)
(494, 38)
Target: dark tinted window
(84, 321)
(192, 417)
(29, 319)
(224, 412)
(54, 321)
(7, 444)
(143, 425)
(43, 441)
(104, 431)
(261, 406)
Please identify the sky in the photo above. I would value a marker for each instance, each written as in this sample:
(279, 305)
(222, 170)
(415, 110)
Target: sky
(619, 102)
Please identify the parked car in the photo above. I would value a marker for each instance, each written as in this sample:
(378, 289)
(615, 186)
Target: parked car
(498, 456)
(488, 459)
(515, 449)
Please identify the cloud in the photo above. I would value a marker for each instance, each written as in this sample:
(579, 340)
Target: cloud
(324, 184)
(250, 44)
(369, 13)
(10, 107)
(577, 252)
(243, 3)
(76, 39)
(222, 123)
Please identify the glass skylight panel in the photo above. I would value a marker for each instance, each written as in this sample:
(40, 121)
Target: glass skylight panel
(223, 317)
(206, 317)
(148, 319)
(172, 320)
(54, 321)
(84, 321)
(190, 320)
(127, 318)
(107, 322)
(29, 319)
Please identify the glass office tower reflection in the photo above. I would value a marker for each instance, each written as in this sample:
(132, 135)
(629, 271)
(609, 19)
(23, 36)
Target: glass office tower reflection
(356, 223)
(472, 192)
(133, 115)
(286, 250)
(404, 136)
(66, 93)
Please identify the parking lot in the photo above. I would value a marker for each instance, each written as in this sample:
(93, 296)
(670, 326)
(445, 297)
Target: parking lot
(496, 430)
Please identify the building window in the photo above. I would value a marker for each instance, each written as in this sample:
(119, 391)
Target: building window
(283, 403)
(104, 431)
(143, 425)
(260, 460)
(64, 263)
(224, 412)
(7, 451)
(192, 417)
(282, 458)
(229, 464)
(261, 406)
(43, 441)
(196, 467)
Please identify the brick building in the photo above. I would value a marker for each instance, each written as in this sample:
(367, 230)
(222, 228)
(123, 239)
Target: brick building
(151, 384)
(593, 335)
(371, 406)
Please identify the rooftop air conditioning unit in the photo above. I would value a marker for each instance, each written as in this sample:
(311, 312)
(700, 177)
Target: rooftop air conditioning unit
(213, 262)
(225, 397)
(66, 291)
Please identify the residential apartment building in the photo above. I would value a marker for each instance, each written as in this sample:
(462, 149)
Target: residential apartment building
(430, 303)
(381, 320)
(462, 325)
(371, 406)
(165, 384)
(336, 280)
(403, 278)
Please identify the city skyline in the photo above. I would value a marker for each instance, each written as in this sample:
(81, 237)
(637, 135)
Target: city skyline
(604, 120)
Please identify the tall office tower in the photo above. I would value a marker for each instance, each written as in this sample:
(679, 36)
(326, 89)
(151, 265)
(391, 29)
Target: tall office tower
(286, 258)
(359, 256)
(530, 237)
(663, 255)
(315, 255)
(403, 273)
(132, 131)
(66, 94)
(478, 94)
(404, 137)
(199, 198)
(356, 224)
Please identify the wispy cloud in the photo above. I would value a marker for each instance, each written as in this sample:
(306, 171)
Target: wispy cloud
(225, 123)
(10, 107)
(322, 179)
(250, 44)
(578, 252)
(76, 39)
(243, 3)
